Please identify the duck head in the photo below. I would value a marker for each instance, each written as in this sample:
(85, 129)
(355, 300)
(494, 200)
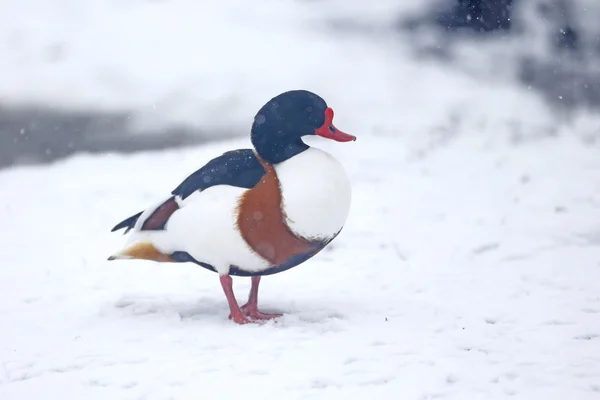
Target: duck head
(281, 123)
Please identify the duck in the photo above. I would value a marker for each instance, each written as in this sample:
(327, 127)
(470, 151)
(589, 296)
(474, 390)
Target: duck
(252, 212)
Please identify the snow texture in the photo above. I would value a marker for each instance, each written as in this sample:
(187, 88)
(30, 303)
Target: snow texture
(466, 271)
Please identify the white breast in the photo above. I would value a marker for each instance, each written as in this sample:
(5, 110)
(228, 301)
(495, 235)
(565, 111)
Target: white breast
(316, 193)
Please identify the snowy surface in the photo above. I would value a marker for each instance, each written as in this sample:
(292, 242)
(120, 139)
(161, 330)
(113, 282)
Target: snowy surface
(468, 269)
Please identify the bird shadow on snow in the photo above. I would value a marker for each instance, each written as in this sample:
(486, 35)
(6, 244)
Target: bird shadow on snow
(207, 309)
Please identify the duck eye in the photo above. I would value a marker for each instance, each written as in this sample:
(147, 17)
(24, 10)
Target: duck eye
(331, 129)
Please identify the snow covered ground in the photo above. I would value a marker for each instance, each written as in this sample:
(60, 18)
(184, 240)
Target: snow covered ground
(467, 270)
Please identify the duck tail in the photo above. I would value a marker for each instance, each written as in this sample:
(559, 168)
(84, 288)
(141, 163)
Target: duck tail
(148, 230)
(144, 250)
(152, 219)
(128, 223)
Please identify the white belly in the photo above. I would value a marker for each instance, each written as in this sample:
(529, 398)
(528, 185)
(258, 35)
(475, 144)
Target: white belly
(316, 193)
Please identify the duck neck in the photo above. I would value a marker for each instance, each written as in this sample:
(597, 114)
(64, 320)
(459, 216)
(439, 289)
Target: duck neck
(275, 148)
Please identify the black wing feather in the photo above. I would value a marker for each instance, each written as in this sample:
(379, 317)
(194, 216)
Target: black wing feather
(127, 223)
(240, 168)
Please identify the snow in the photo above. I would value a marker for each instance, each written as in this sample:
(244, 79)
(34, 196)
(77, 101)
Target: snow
(465, 271)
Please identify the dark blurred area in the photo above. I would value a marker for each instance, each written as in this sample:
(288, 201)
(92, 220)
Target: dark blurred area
(568, 78)
(32, 136)
(475, 15)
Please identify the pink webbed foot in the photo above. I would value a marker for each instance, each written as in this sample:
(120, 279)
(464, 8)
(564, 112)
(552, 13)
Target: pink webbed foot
(251, 311)
(239, 318)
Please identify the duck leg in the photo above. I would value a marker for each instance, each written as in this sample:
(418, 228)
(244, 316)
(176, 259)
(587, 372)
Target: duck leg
(251, 307)
(235, 311)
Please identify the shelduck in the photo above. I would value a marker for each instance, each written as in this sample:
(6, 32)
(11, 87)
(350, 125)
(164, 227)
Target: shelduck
(252, 212)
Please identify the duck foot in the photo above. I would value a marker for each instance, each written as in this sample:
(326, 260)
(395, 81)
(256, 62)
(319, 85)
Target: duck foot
(250, 314)
(239, 318)
(251, 311)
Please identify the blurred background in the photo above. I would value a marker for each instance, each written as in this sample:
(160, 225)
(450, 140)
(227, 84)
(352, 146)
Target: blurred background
(124, 76)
